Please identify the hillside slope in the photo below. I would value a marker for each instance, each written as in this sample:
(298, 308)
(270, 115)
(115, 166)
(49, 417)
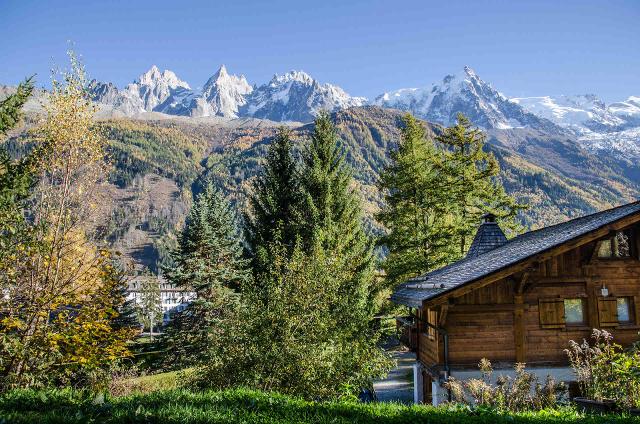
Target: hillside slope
(159, 164)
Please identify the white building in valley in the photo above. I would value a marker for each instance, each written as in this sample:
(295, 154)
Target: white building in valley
(172, 299)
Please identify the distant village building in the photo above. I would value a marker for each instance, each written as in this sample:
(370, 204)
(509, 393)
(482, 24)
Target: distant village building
(173, 299)
(524, 299)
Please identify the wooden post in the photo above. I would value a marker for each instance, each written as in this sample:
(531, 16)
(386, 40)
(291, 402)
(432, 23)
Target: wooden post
(518, 328)
(519, 335)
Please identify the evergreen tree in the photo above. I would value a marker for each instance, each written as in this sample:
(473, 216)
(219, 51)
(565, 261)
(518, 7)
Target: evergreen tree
(275, 200)
(208, 262)
(288, 337)
(415, 211)
(11, 107)
(333, 221)
(472, 183)
(16, 177)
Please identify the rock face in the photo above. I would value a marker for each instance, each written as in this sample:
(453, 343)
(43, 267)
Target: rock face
(161, 92)
(295, 96)
(465, 93)
(224, 94)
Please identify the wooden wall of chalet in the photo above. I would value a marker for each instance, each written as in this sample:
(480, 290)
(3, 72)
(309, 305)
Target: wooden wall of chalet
(501, 321)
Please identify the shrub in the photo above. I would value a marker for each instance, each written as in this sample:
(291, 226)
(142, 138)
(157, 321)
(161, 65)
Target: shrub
(522, 393)
(604, 371)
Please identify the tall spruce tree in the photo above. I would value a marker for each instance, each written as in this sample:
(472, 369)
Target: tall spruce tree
(415, 211)
(274, 204)
(333, 217)
(472, 183)
(209, 262)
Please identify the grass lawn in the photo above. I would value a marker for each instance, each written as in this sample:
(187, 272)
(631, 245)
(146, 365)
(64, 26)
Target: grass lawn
(247, 406)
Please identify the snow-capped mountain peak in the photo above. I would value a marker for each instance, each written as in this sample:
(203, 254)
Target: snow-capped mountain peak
(293, 75)
(224, 94)
(296, 96)
(628, 110)
(154, 77)
(159, 92)
(462, 92)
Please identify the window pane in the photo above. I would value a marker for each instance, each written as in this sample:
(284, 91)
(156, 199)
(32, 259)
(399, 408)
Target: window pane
(573, 311)
(604, 251)
(623, 309)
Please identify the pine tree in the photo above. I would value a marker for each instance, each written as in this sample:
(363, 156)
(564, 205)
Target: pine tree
(472, 183)
(415, 211)
(333, 220)
(208, 262)
(275, 200)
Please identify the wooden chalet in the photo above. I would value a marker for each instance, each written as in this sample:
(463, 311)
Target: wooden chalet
(524, 299)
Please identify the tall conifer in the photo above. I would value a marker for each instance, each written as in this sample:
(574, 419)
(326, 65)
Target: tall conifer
(333, 216)
(208, 262)
(415, 211)
(472, 183)
(275, 200)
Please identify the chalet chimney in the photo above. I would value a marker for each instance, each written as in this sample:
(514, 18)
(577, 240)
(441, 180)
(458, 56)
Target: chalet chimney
(488, 237)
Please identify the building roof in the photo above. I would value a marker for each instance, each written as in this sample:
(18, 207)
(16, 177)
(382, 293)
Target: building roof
(488, 237)
(473, 267)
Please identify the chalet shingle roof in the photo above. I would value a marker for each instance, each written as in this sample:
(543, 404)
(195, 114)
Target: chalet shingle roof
(473, 267)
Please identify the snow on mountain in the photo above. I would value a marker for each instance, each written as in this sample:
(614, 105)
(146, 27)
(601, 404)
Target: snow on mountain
(224, 94)
(626, 141)
(581, 113)
(153, 91)
(296, 96)
(465, 93)
(629, 110)
(161, 92)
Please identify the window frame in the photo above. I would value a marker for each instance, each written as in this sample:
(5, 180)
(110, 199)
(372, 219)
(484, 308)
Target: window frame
(583, 308)
(630, 311)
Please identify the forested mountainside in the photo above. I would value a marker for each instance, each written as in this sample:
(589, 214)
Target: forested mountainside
(159, 164)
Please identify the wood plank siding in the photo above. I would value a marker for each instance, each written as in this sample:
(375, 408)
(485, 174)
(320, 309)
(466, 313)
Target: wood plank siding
(530, 312)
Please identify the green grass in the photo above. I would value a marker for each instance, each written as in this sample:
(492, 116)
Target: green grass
(247, 406)
(154, 382)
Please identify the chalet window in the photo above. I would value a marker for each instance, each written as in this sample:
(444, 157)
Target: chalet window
(574, 311)
(618, 246)
(558, 313)
(432, 318)
(624, 310)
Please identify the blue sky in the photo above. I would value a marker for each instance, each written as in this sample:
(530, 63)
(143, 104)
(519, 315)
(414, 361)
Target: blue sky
(523, 48)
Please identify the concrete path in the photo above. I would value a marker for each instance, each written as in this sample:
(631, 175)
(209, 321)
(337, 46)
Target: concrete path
(398, 385)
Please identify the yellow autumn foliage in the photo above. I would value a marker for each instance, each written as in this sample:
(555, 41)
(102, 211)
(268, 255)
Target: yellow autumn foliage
(62, 296)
